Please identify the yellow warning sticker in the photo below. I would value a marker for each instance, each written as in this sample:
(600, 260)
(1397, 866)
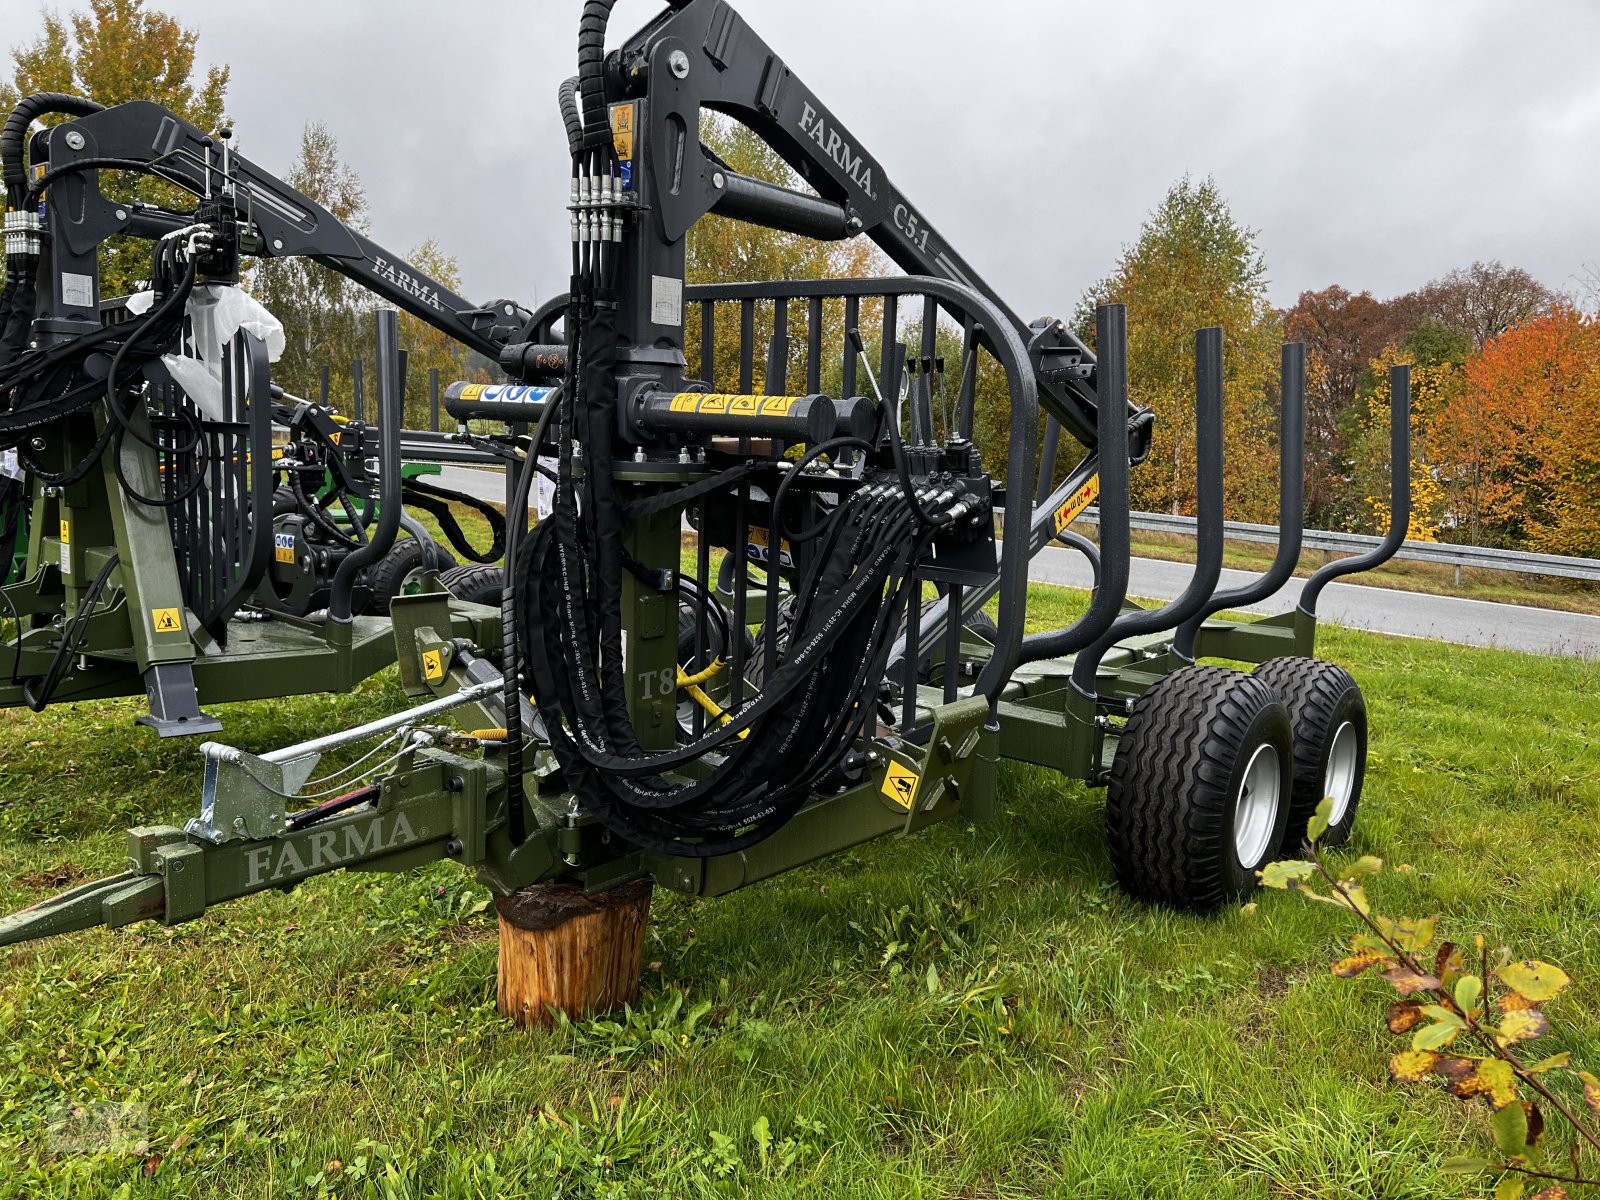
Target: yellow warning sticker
(166, 620)
(686, 402)
(745, 406)
(472, 391)
(715, 404)
(433, 665)
(1077, 502)
(761, 547)
(900, 784)
(622, 123)
(284, 554)
(777, 406)
(66, 533)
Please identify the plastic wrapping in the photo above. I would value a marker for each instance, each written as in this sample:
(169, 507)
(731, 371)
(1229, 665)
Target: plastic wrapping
(216, 313)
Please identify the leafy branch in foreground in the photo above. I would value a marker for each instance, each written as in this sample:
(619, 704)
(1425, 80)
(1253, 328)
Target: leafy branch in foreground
(1469, 1022)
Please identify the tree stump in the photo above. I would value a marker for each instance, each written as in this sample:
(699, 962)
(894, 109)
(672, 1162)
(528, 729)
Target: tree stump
(562, 950)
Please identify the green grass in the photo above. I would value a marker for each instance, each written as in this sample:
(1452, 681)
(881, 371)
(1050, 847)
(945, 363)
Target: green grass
(972, 1012)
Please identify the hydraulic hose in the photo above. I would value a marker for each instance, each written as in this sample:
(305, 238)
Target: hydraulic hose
(570, 116)
(389, 498)
(13, 136)
(591, 72)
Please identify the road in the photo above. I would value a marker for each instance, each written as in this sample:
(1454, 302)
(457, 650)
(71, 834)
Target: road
(1380, 610)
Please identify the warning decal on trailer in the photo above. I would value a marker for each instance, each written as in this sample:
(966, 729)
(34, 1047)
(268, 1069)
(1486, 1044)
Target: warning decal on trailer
(900, 784)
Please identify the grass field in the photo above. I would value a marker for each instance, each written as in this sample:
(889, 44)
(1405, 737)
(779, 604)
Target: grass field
(973, 1012)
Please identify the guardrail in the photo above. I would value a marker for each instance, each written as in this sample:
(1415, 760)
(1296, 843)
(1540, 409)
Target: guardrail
(1480, 558)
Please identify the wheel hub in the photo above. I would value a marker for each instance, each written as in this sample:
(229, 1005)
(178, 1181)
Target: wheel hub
(1339, 779)
(1256, 814)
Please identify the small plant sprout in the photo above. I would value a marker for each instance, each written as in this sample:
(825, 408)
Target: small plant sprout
(1471, 1017)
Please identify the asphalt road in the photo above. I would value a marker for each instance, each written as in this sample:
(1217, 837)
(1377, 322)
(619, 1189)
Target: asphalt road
(1380, 610)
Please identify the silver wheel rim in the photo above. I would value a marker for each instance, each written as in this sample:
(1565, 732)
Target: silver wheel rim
(1339, 780)
(1255, 816)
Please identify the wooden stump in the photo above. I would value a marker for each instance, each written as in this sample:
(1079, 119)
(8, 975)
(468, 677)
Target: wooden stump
(564, 951)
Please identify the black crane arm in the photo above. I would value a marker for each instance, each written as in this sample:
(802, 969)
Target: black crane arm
(276, 220)
(702, 54)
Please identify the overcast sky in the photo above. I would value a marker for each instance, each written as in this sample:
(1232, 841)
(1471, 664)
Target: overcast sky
(1371, 144)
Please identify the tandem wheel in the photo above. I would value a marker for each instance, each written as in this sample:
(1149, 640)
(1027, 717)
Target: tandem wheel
(475, 583)
(1198, 797)
(1329, 716)
(399, 572)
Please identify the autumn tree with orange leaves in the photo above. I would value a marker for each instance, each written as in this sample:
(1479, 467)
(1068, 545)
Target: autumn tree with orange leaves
(1517, 448)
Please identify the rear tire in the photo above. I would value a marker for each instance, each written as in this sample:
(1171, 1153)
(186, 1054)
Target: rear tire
(1329, 716)
(400, 571)
(1199, 789)
(475, 583)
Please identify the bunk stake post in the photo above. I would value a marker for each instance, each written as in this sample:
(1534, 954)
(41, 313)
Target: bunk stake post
(562, 951)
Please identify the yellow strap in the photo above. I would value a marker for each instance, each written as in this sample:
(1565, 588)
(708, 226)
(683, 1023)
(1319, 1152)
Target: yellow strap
(691, 684)
(710, 673)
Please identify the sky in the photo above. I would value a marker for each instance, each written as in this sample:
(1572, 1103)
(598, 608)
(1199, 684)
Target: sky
(1374, 145)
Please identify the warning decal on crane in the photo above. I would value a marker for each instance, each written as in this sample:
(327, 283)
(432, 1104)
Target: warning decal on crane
(1077, 502)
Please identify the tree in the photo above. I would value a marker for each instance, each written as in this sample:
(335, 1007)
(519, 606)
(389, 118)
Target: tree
(1519, 446)
(1436, 354)
(722, 250)
(116, 51)
(1343, 332)
(1194, 265)
(1486, 299)
(324, 314)
(428, 348)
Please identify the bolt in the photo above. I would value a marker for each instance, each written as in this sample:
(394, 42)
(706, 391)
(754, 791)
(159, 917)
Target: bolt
(454, 848)
(719, 180)
(853, 223)
(638, 455)
(239, 826)
(683, 456)
(678, 64)
(277, 243)
(122, 214)
(37, 443)
(455, 784)
(74, 139)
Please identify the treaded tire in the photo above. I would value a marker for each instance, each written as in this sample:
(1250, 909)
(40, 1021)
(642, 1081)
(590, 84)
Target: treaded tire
(476, 583)
(1175, 787)
(982, 624)
(389, 577)
(1321, 698)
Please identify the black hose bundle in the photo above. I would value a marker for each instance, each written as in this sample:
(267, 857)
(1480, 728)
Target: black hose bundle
(752, 774)
(437, 501)
(49, 384)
